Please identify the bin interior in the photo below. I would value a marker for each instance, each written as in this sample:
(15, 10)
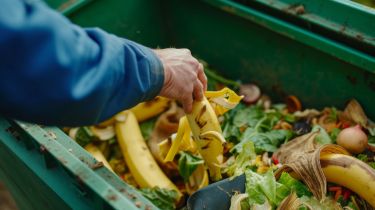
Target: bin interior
(234, 42)
(239, 41)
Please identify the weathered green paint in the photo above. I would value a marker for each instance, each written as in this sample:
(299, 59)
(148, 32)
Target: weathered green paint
(282, 58)
(138, 20)
(239, 41)
(70, 182)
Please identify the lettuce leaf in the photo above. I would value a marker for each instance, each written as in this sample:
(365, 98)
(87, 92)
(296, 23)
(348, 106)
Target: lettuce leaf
(162, 198)
(187, 164)
(263, 142)
(264, 187)
(323, 137)
(313, 203)
(294, 185)
(243, 160)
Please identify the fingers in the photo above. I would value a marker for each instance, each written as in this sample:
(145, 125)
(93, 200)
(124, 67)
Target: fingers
(187, 103)
(202, 76)
(198, 91)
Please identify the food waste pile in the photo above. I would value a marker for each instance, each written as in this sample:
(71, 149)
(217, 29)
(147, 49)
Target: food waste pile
(292, 157)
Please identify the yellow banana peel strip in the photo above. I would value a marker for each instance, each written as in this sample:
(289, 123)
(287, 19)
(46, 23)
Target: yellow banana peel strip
(197, 180)
(223, 100)
(183, 132)
(206, 130)
(208, 136)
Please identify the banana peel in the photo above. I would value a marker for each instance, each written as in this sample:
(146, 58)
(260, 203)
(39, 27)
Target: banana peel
(205, 128)
(316, 165)
(98, 155)
(223, 100)
(150, 109)
(197, 180)
(138, 157)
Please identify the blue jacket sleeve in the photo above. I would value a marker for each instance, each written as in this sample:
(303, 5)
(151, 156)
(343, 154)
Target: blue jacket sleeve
(53, 72)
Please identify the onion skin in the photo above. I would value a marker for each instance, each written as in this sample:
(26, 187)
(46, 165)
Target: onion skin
(250, 92)
(353, 139)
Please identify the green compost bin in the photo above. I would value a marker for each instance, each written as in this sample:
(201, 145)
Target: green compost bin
(322, 51)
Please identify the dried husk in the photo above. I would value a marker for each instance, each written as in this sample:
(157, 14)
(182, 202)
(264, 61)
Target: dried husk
(301, 158)
(165, 126)
(354, 113)
(290, 203)
(235, 201)
(307, 113)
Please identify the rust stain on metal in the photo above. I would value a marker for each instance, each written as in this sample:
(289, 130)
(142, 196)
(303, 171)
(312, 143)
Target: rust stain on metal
(10, 129)
(13, 132)
(42, 149)
(228, 9)
(359, 37)
(132, 196)
(352, 79)
(62, 160)
(297, 9)
(52, 135)
(112, 197)
(97, 165)
(138, 204)
(66, 5)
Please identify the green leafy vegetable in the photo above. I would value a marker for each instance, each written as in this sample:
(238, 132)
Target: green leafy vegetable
(231, 132)
(248, 116)
(322, 137)
(362, 157)
(214, 79)
(253, 189)
(264, 187)
(290, 118)
(187, 164)
(243, 160)
(334, 133)
(163, 198)
(84, 136)
(371, 140)
(147, 127)
(366, 159)
(313, 203)
(372, 164)
(294, 185)
(333, 115)
(267, 141)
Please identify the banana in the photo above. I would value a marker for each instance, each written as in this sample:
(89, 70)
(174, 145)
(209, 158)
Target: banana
(206, 130)
(351, 173)
(183, 134)
(98, 155)
(223, 100)
(197, 180)
(103, 133)
(149, 109)
(207, 135)
(138, 157)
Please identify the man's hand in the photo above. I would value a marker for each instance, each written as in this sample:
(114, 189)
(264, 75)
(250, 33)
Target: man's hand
(184, 78)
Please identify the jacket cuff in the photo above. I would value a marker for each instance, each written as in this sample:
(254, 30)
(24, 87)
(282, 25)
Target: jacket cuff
(156, 74)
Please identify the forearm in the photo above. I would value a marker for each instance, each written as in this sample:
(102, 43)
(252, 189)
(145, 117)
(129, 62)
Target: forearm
(56, 73)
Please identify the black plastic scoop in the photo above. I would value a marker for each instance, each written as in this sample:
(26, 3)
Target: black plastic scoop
(216, 196)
